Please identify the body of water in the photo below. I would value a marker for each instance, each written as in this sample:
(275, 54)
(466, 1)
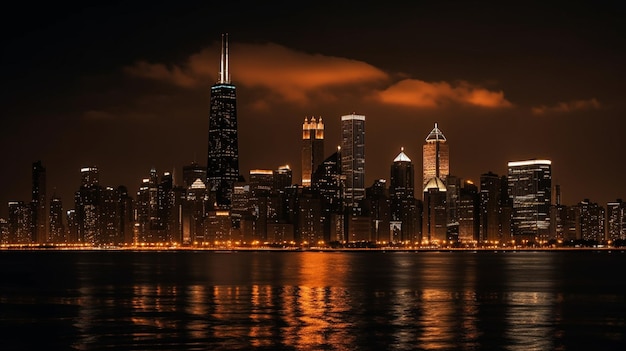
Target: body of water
(203, 300)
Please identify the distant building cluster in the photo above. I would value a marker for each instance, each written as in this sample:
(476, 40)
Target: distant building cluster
(216, 206)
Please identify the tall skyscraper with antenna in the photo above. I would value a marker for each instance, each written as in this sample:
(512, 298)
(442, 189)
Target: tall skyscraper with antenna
(223, 156)
(312, 148)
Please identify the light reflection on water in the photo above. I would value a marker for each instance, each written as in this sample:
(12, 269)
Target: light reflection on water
(313, 300)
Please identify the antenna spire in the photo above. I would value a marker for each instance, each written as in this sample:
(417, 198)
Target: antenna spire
(224, 74)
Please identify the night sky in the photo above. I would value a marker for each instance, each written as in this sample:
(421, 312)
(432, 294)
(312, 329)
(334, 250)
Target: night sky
(125, 86)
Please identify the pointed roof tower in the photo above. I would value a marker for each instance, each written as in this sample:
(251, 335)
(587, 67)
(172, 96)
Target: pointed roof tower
(435, 135)
(402, 157)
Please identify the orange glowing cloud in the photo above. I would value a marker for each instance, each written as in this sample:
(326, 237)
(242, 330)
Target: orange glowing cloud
(570, 106)
(289, 74)
(418, 93)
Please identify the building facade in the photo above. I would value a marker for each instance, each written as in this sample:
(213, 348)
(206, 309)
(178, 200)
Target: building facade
(530, 189)
(436, 157)
(223, 154)
(353, 158)
(312, 148)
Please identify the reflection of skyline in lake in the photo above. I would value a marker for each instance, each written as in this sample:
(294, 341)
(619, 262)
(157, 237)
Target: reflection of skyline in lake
(343, 301)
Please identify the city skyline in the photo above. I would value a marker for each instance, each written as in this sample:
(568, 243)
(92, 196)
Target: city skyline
(499, 94)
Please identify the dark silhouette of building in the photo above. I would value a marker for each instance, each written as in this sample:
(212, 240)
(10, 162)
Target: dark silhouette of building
(223, 154)
(312, 148)
(353, 157)
(490, 191)
(469, 214)
(39, 205)
(405, 218)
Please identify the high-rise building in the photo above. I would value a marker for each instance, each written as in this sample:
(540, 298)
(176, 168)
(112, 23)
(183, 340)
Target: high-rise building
(404, 222)
(38, 205)
(312, 148)
(490, 207)
(436, 157)
(192, 172)
(353, 157)
(57, 229)
(328, 182)
(435, 219)
(223, 155)
(616, 220)
(20, 223)
(88, 203)
(530, 188)
(468, 213)
(590, 222)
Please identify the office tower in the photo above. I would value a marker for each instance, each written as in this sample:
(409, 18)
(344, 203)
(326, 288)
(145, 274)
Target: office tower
(87, 205)
(109, 217)
(57, 229)
(125, 221)
(283, 177)
(453, 195)
(616, 220)
(20, 223)
(4, 231)
(192, 172)
(468, 214)
(310, 229)
(490, 192)
(529, 187)
(377, 207)
(312, 148)
(223, 155)
(353, 157)
(590, 222)
(434, 230)
(194, 209)
(404, 216)
(261, 183)
(436, 157)
(38, 205)
(328, 183)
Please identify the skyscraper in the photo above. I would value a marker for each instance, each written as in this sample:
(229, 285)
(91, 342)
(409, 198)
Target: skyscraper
(436, 157)
(38, 205)
(312, 148)
(223, 156)
(404, 215)
(353, 157)
(530, 184)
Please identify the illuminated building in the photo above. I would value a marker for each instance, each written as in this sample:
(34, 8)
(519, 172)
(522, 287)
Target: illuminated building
(125, 219)
(261, 183)
(223, 154)
(327, 181)
(405, 216)
(87, 204)
(468, 213)
(453, 194)
(436, 157)
(529, 187)
(310, 229)
(57, 229)
(282, 178)
(38, 205)
(434, 222)
(4, 231)
(353, 157)
(192, 172)
(19, 223)
(616, 220)
(590, 222)
(312, 148)
(490, 191)
(377, 206)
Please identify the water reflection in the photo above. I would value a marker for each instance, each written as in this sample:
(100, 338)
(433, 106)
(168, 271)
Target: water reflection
(311, 301)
